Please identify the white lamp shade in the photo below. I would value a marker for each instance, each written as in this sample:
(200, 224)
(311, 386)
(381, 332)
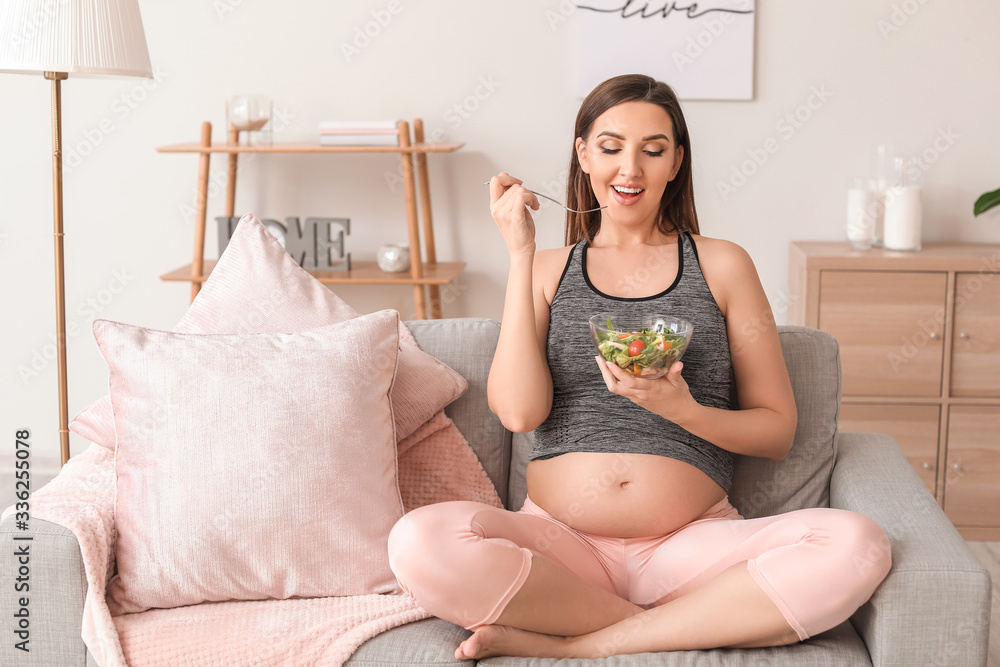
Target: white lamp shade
(89, 37)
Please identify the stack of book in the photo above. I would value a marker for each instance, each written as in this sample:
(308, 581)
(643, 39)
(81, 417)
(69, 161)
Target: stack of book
(358, 133)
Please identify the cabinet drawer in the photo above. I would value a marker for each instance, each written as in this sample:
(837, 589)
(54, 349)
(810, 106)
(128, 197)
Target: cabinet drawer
(915, 428)
(884, 322)
(975, 361)
(971, 491)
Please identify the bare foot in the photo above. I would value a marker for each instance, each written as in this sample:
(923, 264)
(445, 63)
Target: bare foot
(506, 640)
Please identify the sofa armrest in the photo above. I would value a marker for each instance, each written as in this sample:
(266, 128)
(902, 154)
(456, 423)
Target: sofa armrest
(934, 605)
(57, 586)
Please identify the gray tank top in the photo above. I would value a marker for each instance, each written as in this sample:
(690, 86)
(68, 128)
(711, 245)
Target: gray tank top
(586, 417)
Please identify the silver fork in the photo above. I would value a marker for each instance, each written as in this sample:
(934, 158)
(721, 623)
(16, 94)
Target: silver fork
(558, 202)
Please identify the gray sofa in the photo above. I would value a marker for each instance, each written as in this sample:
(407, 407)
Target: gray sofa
(932, 609)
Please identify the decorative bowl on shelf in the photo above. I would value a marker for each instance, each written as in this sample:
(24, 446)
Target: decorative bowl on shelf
(394, 258)
(645, 345)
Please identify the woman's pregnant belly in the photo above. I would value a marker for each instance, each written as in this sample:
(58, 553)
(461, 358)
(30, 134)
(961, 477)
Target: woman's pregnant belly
(621, 495)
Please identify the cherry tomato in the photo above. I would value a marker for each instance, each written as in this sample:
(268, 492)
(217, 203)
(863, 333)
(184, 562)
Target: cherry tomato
(635, 347)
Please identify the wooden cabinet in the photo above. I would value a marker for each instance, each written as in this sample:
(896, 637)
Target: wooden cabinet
(919, 336)
(972, 470)
(976, 357)
(877, 360)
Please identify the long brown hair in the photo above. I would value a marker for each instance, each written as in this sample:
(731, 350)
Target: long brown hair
(677, 212)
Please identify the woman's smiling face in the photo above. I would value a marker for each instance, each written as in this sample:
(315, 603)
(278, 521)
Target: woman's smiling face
(631, 146)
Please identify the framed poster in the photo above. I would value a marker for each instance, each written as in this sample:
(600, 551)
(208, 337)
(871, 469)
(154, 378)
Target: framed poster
(704, 50)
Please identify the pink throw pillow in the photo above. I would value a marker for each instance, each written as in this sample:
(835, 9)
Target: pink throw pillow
(252, 466)
(257, 287)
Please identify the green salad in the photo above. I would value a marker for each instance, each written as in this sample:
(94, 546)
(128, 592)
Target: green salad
(644, 352)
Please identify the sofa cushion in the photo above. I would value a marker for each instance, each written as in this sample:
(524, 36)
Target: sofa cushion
(838, 647)
(467, 345)
(256, 286)
(762, 487)
(252, 466)
(429, 642)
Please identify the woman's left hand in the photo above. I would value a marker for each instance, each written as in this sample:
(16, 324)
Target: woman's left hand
(668, 396)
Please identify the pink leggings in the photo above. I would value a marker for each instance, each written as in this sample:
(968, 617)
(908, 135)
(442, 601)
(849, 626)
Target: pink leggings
(463, 561)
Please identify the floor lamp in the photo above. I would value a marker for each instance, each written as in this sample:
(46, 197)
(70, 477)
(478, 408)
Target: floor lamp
(84, 38)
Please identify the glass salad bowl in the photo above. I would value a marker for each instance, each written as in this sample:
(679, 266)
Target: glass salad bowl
(644, 345)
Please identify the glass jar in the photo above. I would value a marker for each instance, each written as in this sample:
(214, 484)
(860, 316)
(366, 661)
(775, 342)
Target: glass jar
(251, 114)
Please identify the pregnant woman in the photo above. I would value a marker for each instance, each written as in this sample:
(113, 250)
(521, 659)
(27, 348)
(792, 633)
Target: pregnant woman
(627, 541)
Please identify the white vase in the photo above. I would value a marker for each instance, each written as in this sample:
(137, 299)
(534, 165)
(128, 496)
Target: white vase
(394, 258)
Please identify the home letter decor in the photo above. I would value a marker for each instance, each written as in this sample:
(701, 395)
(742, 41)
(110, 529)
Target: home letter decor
(318, 244)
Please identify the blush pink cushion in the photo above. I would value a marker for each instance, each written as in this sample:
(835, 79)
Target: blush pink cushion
(257, 287)
(252, 466)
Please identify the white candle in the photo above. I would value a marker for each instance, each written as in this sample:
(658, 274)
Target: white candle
(862, 215)
(903, 213)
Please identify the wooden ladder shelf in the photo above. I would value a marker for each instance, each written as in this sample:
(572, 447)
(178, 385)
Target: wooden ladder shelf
(430, 273)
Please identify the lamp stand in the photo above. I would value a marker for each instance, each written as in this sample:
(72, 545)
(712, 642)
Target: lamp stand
(57, 233)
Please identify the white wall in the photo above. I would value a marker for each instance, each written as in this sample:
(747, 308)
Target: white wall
(128, 214)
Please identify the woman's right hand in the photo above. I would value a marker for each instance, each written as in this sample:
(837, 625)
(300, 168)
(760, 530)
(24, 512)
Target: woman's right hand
(508, 206)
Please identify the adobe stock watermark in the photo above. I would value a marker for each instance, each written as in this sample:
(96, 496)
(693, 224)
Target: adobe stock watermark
(899, 16)
(613, 645)
(455, 116)
(462, 110)
(279, 469)
(769, 490)
(447, 295)
(930, 329)
(589, 492)
(95, 479)
(967, 633)
(218, 177)
(224, 7)
(714, 27)
(558, 186)
(923, 161)
(74, 153)
(635, 281)
(764, 321)
(553, 187)
(786, 126)
(915, 166)
(556, 17)
(41, 356)
(919, 511)
(42, 13)
(281, 464)
(152, 420)
(876, 554)
(371, 30)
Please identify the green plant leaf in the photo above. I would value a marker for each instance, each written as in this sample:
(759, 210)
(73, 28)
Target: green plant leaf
(986, 202)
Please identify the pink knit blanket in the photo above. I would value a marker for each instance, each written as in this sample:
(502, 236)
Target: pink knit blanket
(436, 464)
